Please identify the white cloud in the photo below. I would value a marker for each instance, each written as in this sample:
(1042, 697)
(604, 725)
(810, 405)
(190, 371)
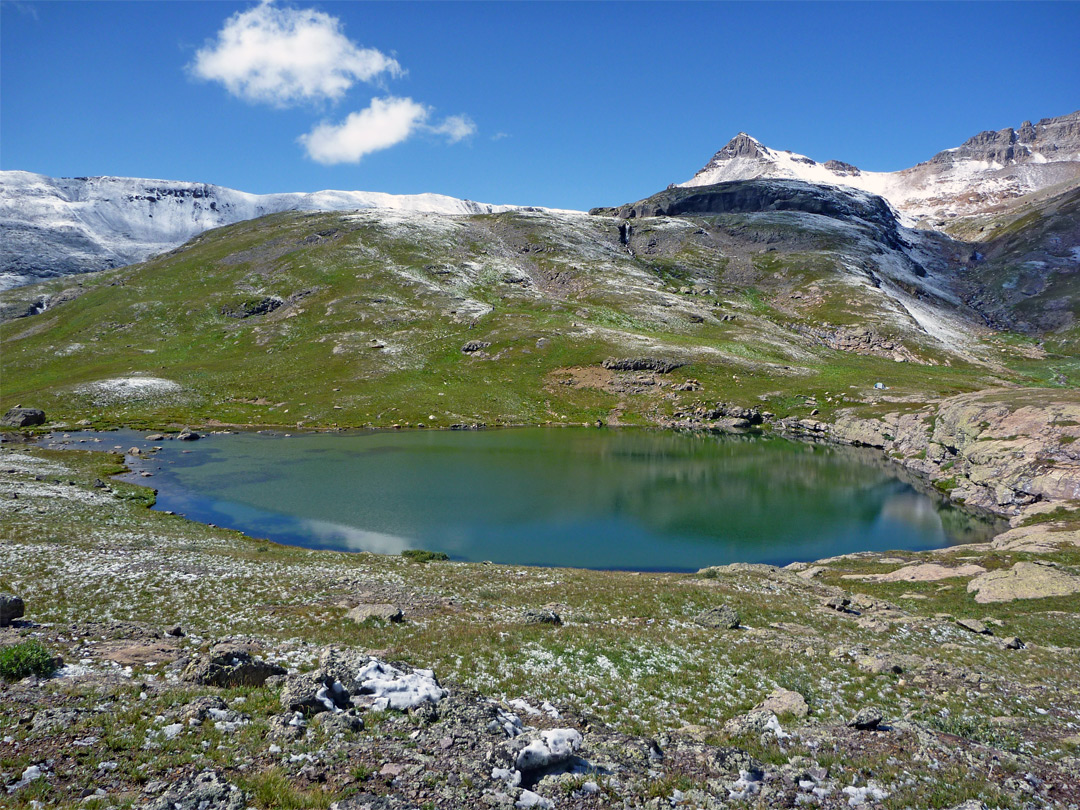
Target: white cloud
(384, 123)
(387, 121)
(455, 128)
(282, 56)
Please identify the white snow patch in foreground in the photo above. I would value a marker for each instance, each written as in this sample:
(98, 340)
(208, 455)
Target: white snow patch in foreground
(395, 689)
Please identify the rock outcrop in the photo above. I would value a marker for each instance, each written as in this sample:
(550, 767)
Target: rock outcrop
(23, 417)
(998, 450)
(1025, 580)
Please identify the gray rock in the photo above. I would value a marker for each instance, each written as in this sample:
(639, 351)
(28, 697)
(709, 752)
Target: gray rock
(974, 626)
(204, 791)
(541, 616)
(23, 417)
(838, 603)
(753, 722)
(718, 618)
(229, 665)
(199, 709)
(866, 719)
(314, 692)
(1011, 643)
(339, 722)
(11, 608)
(785, 701)
(382, 612)
(879, 665)
(475, 346)
(642, 364)
(188, 435)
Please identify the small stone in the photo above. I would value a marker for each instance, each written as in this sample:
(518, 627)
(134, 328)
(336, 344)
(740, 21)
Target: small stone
(866, 719)
(718, 618)
(840, 603)
(974, 626)
(11, 608)
(541, 616)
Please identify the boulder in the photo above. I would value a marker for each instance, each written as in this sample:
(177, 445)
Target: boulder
(313, 692)
(1025, 580)
(784, 701)
(11, 608)
(229, 665)
(188, 435)
(475, 346)
(382, 612)
(718, 618)
(23, 417)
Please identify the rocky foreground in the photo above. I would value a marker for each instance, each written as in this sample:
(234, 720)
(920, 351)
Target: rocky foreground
(199, 668)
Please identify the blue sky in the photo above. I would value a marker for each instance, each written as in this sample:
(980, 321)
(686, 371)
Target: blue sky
(560, 104)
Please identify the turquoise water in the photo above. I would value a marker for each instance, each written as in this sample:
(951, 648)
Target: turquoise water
(621, 499)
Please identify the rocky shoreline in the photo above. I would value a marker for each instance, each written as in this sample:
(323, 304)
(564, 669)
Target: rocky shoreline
(1011, 452)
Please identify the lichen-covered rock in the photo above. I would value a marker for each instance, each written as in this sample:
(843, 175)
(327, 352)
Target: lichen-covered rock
(11, 608)
(204, 791)
(1025, 580)
(723, 617)
(866, 719)
(541, 616)
(312, 692)
(228, 665)
(784, 701)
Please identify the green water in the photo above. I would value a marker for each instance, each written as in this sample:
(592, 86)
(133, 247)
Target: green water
(570, 497)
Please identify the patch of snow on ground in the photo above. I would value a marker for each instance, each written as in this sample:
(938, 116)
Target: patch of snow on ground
(394, 689)
(126, 389)
(555, 745)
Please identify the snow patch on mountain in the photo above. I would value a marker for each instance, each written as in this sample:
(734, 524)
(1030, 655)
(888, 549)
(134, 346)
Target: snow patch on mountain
(57, 226)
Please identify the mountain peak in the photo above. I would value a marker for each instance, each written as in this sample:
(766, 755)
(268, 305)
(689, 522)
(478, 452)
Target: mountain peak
(742, 145)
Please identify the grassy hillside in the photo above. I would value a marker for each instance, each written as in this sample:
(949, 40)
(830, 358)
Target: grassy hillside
(327, 319)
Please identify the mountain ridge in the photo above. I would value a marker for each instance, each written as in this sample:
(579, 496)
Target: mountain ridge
(58, 226)
(983, 173)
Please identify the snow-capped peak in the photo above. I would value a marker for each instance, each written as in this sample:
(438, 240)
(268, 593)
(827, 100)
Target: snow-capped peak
(982, 172)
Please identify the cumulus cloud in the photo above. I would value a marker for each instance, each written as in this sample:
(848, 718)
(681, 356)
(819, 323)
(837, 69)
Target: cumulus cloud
(282, 56)
(384, 123)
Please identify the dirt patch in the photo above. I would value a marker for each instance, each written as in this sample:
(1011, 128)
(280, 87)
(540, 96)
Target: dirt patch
(582, 377)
